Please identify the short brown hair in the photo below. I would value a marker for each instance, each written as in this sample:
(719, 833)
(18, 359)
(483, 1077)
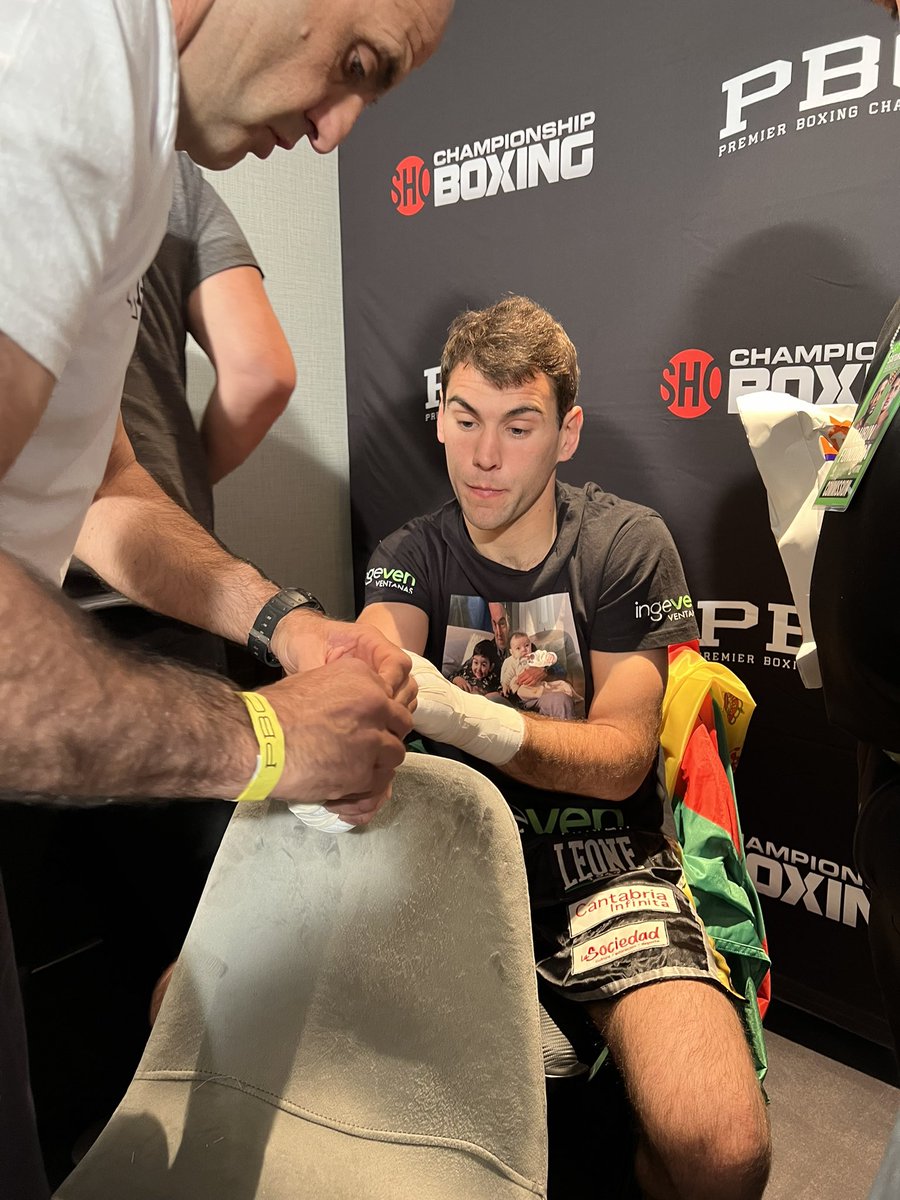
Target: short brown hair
(890, 5)
(511, 343)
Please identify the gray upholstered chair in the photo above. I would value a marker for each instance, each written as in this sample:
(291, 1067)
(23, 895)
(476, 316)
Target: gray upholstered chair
(353, 1016)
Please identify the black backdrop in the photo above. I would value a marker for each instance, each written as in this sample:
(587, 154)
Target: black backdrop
(712, 203)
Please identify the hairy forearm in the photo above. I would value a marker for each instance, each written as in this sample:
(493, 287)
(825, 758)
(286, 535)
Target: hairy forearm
(583, 758)
(141, 543)
(84, 720)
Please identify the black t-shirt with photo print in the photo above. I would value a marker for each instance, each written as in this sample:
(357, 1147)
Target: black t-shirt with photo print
(611, 582)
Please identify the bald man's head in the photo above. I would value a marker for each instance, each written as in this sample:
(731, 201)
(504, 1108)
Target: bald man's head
(261, 74)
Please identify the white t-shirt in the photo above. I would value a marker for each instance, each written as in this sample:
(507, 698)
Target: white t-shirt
(88, 110)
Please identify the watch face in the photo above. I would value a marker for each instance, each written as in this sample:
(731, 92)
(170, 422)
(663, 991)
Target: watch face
(271, 613)
(301, 598)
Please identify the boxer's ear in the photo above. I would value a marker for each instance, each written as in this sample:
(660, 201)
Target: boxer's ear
(440, 419)
(570, 433)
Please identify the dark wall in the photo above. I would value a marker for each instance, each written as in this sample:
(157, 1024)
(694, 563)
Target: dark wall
(679, 251)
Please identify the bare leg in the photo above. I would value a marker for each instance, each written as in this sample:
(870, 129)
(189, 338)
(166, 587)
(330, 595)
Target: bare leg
(682, 1052)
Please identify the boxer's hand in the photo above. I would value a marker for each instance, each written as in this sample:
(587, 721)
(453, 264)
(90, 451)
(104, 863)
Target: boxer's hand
(446, 713)
(343, 736)
(304, 640)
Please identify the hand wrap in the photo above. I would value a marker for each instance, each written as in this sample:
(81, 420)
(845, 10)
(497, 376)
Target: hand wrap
(444, 712)
(317, 816)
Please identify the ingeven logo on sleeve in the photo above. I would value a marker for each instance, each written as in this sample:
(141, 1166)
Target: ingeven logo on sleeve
(391, 577)
(675, 608)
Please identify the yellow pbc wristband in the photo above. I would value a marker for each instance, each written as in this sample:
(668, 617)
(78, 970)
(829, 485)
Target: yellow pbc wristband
(270, 760)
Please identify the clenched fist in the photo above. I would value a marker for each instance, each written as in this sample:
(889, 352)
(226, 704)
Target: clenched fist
(343, 733)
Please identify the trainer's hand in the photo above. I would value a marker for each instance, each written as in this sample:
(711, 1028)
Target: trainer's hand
(343, 736)
(304, 640)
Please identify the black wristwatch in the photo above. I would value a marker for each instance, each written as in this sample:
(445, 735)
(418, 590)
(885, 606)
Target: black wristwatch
(270, 614)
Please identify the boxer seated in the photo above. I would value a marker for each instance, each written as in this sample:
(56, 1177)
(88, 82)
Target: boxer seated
(619, 948)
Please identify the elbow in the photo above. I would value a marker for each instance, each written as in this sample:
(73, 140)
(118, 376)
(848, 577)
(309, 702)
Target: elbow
(267, 384)
(631, 775)
(622, 789)
(283, 379)
(274, 399)
(277, 378)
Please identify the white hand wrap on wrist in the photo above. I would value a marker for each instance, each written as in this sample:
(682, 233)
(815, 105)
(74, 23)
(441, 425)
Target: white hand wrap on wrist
(489, 731)
(317, 816)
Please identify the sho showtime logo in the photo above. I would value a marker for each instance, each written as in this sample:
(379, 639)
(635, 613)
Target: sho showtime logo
(690, 383)
(824, 888)
(410, 186)
(834, 79)
(550, 152)
(825, 373)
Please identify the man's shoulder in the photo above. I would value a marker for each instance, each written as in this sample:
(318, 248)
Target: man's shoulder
(408, 563)
(140, 25)
(601, 504)
(188, 185)
(426, 528)
(606, 515)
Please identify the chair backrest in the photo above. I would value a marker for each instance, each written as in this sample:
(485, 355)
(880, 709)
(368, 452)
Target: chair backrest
(352, 1015)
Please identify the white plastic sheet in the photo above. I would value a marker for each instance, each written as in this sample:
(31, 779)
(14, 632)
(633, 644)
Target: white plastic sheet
(794, 443)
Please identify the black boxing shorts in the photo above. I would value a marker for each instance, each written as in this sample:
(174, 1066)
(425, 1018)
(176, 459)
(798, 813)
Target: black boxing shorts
(611, 911)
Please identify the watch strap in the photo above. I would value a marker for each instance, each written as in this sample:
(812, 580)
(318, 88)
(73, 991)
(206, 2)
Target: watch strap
(260, 639)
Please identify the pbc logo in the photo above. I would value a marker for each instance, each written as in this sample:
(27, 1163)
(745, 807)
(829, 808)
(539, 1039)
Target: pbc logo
(690, 382)
(410, 185)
